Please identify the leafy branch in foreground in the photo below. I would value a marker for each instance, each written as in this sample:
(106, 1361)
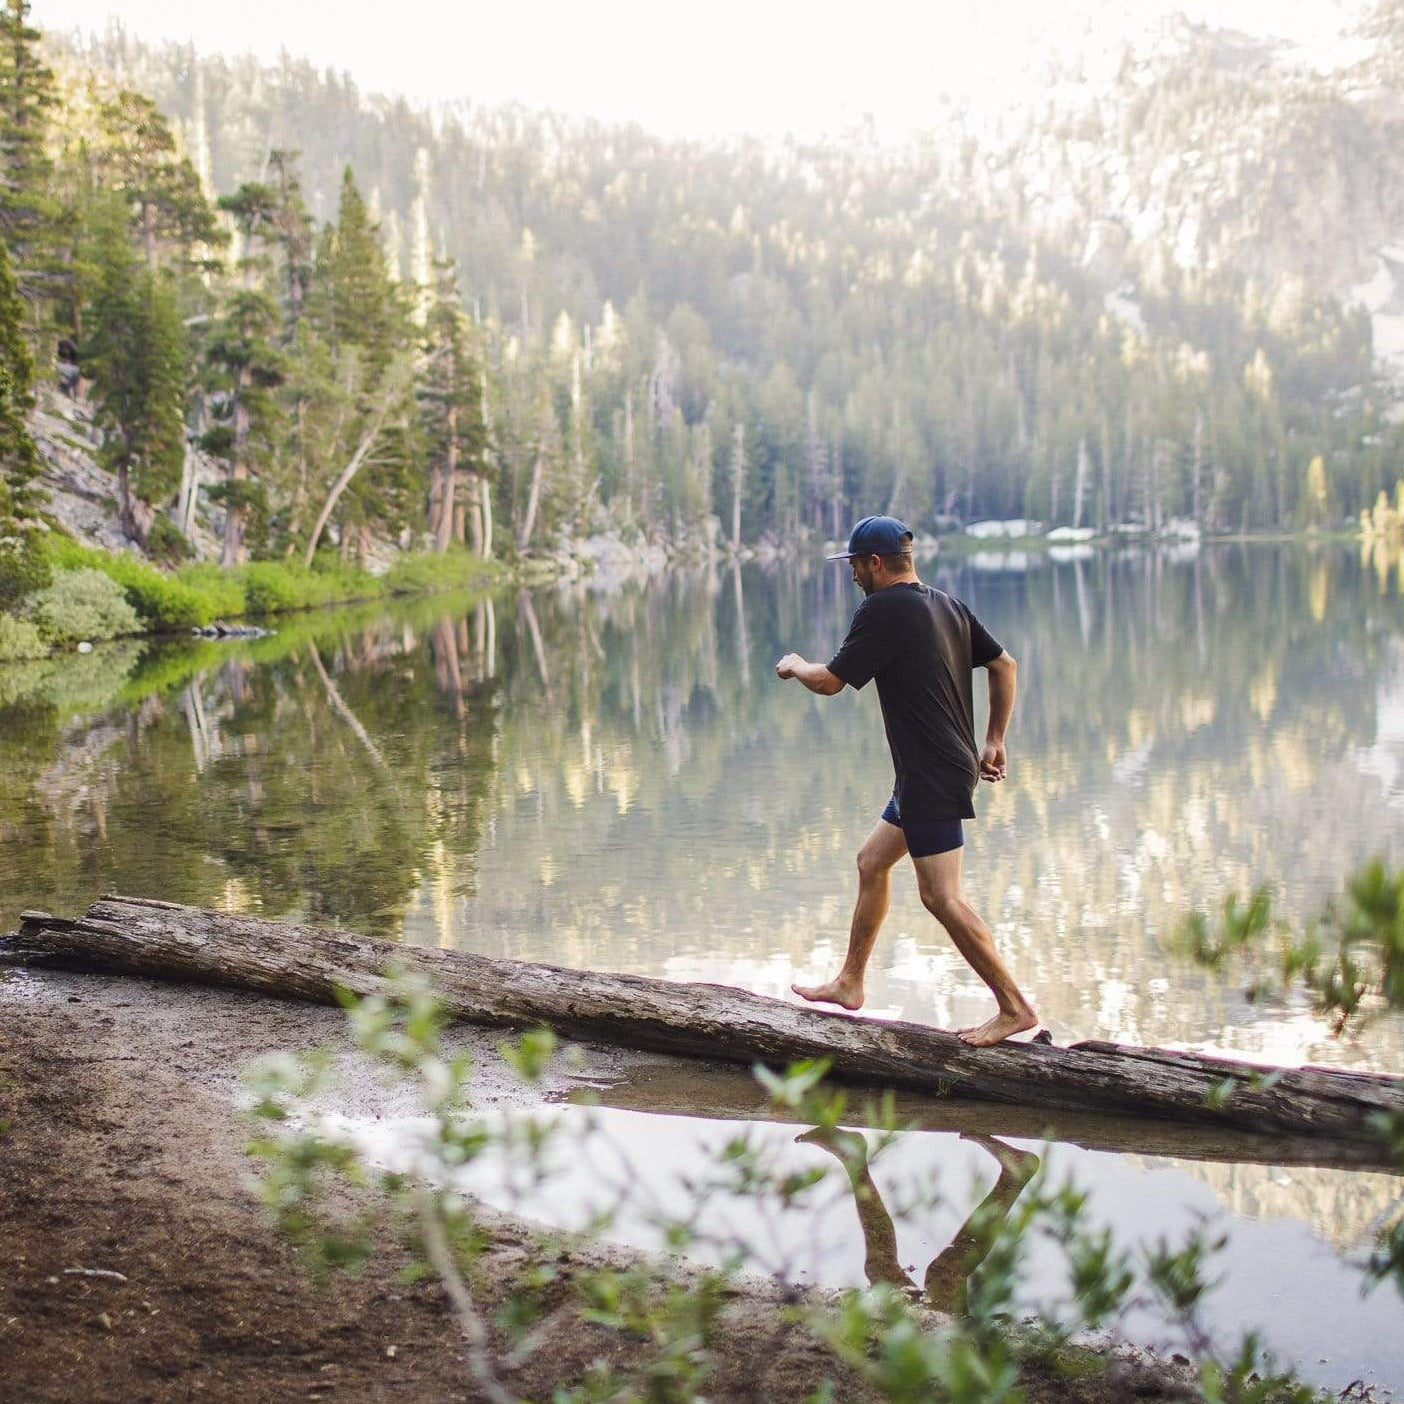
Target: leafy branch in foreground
(1350, 959)
(659, 1318)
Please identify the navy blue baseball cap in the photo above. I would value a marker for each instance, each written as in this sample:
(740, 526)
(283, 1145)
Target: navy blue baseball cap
(876, 536)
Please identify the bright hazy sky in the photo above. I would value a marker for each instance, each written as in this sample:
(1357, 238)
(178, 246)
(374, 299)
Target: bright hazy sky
(766, 66)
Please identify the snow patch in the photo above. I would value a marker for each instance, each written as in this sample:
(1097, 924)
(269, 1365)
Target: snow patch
(1014, 529)
(1382, 296)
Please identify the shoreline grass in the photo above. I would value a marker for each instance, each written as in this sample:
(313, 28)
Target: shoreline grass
(195, 596)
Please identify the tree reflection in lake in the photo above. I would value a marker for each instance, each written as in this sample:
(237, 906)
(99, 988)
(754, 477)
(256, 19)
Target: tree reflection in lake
(319, 774)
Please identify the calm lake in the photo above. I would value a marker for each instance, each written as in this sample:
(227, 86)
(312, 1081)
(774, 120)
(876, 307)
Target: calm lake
(612, 777)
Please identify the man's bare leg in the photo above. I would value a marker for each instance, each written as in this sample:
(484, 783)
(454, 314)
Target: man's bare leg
(938, 880)
(881, 851)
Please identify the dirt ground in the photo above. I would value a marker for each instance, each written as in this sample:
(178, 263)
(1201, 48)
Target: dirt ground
(121, 1151)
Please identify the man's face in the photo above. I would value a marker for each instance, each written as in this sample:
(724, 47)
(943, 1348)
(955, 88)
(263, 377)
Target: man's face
(863, 573)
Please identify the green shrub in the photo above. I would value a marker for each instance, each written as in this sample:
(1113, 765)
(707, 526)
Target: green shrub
(83, 604)
(223, 589)
(435, 570)
(19, 639)
(24, 568)
(273, 587)
(64, 553)
(162, 601)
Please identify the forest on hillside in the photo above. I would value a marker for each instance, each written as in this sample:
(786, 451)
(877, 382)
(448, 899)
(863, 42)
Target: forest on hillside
(514, 329)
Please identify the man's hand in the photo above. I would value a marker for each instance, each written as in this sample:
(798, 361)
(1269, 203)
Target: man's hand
(993, 761)
(786, 667)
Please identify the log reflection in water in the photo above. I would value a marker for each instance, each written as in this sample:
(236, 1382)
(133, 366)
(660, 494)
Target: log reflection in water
(717, 1093)
(949, 1271)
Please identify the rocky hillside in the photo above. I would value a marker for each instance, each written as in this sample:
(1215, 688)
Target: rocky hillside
(78, 492)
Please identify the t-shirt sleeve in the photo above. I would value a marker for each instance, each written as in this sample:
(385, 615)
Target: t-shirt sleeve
(984, 647)
(867, 647)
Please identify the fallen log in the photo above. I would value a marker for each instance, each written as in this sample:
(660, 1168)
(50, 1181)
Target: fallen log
(137, 936)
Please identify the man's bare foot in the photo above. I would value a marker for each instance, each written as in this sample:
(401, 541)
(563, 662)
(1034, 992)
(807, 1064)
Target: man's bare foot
(997, 1029)
(839, 992)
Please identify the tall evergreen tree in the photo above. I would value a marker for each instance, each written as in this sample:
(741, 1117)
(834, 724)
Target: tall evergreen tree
(136, 357)
(19, 460)
(363, 303)
(21, 567)
(139, 158)
(29, 215)
(357, 308)
(295, 232)
(451, 418)
(245, 368)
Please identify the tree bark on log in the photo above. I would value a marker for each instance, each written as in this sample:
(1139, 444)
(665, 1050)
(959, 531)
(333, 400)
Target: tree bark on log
(715, 1023)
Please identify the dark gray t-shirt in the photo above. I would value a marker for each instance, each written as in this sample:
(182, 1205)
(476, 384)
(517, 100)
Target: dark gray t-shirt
(922, 645)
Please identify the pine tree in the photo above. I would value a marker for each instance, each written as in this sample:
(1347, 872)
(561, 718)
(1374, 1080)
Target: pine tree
(19, 460)
(355, 305)
(29, 215)
(245, 368)
(362, 296)
(22, 569)
(136, 357)
(139, 158)
(451, 417)
(295, 229)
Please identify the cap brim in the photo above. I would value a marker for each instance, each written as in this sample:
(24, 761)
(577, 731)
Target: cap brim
(842, 556)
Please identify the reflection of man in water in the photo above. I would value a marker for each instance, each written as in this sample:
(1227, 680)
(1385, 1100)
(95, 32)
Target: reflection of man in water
(948, 1272)
(921, 645)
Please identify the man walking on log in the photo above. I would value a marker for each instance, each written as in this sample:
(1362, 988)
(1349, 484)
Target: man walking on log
(922, 646)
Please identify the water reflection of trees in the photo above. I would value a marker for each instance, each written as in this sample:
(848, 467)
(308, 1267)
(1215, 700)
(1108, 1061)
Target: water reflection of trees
(322, 779)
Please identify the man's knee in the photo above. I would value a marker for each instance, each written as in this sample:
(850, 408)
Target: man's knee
(873, 864)
(941, 901)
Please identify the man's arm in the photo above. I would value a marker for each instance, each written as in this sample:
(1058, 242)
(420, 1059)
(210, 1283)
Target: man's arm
(1003, 673)
(815, 676)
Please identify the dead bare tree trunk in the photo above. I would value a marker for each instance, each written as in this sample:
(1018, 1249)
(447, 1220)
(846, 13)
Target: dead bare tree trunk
(390, 394)
(232, 550)
(533, 501)
(738, 483)
(1080, 481)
